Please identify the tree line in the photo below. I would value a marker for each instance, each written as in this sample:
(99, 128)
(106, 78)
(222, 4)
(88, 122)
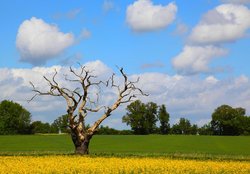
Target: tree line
(15, 119)
(150, 118)
(143, 118)
(225, 120)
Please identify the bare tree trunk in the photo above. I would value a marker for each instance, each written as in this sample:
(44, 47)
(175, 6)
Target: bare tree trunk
(81, 142)
(79, 98)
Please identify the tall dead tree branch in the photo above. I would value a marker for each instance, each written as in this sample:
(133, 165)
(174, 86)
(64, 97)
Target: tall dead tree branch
(79, 98)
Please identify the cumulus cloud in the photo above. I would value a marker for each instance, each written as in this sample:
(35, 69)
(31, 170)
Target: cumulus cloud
(38, 41)
(193, 97)
(185, 96)
(143, 15)
(196, 59)
(16, 87)
(226, 23)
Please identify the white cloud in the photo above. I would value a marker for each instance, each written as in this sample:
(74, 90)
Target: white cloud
(212, 79)
(185, 96)
(196, 59)
(236, 1)
(16, 87)
(143, 15)
(225, 23)
(195, 98)
(38, 41)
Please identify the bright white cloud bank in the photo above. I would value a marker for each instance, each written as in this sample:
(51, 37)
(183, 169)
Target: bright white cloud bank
(185, 96)
(226, 23)
(38, 41)
(195, 59)
(143, 15)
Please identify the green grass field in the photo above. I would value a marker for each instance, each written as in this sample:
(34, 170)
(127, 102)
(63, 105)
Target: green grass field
(238, 146)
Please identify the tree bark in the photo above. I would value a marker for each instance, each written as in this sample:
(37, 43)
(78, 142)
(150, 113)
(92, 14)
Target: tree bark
(81, 142)
(78, 98)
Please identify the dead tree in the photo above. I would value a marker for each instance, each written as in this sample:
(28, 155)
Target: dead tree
(78, 102)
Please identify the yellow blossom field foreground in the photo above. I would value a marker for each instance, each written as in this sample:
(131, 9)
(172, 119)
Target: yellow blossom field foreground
(98, 165)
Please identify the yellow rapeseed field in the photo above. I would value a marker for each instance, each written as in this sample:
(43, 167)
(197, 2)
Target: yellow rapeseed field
(106, 165)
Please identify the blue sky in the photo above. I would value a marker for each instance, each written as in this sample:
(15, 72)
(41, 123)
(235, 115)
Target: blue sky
(111, 40)
(161, 39)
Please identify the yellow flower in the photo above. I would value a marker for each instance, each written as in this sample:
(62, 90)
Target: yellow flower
(98, 165)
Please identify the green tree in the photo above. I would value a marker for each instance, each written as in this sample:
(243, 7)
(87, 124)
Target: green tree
(40, 127)
(205, 130)
(184, 127)
(61, 124)
(135, 117)
(14, 119)
(141, 117)
(150, 117)
(193, 129)
(245, 125)
(163, 117)
(227, 120)
(105, 130)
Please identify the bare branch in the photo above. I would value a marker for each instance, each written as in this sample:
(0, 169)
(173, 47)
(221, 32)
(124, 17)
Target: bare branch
(80, 97)
(127, 90)
(94, 110)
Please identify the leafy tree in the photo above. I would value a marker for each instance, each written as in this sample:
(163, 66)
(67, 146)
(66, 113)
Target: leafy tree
(80, 102)
(105, 130)
(135, 117)
(175, 129)
(40, 127)
(193, 129)
(61, 124)
(141, 117)
(163, 117)
(184, 127)
(150, 117)
(245, 125)
(14, 119)
(205, 130)
(227, 120)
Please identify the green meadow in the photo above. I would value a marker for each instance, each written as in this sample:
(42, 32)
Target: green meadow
(235, 147)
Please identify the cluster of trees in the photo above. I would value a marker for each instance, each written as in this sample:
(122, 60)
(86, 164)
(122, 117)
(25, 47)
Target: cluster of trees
(14, 119)
(226, 120)
(60, 125)
(143, 119)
